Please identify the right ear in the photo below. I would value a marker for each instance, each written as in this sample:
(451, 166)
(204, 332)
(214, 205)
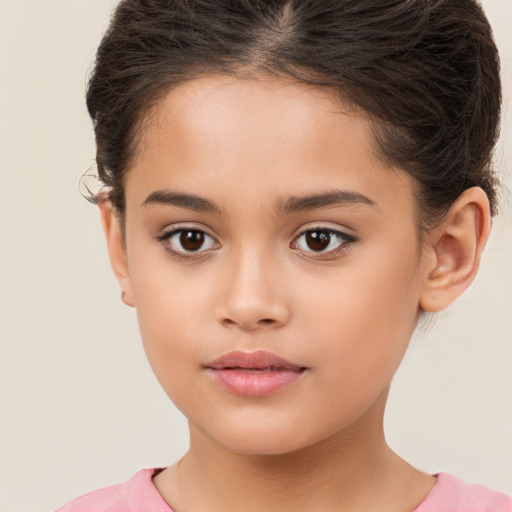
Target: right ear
(110, 221)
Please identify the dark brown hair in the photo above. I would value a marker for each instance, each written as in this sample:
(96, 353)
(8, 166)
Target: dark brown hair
(425, 71)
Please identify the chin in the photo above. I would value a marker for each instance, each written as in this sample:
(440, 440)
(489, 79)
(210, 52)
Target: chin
(263, 441)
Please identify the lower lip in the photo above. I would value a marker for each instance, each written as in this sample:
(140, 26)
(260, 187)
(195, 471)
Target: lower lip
(255, 384)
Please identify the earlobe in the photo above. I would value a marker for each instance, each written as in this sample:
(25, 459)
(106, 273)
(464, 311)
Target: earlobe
(454, 250)
(110, 222)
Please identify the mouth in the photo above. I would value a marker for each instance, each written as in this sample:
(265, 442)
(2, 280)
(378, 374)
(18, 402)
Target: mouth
(260, 360)
(259, 370)
(254, 374)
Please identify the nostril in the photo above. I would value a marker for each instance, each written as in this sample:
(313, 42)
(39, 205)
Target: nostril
(266, 321)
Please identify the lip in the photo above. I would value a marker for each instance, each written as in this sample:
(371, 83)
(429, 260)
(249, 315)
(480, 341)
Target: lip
(254, 374)
(259, 360)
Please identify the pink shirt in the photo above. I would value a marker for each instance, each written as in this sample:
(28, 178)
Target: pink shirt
(140, 495)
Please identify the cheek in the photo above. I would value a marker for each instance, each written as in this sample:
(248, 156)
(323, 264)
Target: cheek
(366, 320)
(166, 334)
(168, 312)
(176, 320)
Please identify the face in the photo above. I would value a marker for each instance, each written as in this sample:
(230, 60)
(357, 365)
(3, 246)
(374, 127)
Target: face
(258, 220)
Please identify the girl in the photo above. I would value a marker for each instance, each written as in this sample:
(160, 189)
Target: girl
(289, 186)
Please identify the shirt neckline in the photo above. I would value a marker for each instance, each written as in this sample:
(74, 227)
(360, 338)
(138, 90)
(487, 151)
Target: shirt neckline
(148, 475)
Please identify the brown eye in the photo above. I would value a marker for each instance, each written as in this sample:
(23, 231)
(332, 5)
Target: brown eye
(327, 243)
(184, 242)
(192, 240)
(318, 240)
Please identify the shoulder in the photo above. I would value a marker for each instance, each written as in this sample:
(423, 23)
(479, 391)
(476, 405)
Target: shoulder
(454, 495)
(138, 494)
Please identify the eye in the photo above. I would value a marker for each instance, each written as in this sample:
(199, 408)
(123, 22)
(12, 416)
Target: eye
(186, 242)
(323, 242)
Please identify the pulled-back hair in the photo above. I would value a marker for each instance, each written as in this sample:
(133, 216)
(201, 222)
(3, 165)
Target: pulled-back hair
(425, 71)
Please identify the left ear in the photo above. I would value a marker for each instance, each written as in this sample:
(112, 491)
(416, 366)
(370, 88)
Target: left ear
(453, 250)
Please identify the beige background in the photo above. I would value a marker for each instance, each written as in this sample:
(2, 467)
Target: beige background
(79, 406)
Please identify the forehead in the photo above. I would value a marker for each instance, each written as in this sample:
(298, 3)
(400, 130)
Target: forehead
(257, 137)
(223, 105)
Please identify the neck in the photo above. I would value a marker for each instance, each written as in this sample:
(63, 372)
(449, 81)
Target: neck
(352, 470)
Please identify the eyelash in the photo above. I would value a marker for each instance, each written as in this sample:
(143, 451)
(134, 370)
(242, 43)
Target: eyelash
(346, 243)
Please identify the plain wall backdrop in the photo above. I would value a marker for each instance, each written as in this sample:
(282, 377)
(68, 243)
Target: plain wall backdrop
(79, 406)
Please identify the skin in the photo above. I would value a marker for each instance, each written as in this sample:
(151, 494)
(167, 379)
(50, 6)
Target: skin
(348, 316)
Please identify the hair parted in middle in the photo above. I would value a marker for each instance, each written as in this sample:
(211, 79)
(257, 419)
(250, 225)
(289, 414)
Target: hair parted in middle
(425, 71)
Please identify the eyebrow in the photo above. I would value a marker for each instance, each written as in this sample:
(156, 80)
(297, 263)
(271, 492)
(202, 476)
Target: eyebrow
(188, 201)
(293, 204)
(323, 200)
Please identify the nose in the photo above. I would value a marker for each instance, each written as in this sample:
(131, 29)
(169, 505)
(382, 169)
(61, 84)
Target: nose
(253, 297)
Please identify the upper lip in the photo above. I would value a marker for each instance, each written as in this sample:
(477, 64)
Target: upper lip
(257, 360)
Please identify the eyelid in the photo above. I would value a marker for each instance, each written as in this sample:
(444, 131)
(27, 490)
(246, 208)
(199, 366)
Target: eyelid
(168, 232)
(345, 246)
(177, 226)
(325, 226)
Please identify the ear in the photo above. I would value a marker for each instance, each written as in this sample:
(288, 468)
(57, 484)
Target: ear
(115, 244)
(453, 251)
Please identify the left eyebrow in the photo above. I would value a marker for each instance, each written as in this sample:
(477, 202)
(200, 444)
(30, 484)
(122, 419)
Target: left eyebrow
(292, 205)
(323, 200)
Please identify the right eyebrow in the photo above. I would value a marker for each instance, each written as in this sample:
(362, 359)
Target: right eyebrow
(189, 201)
